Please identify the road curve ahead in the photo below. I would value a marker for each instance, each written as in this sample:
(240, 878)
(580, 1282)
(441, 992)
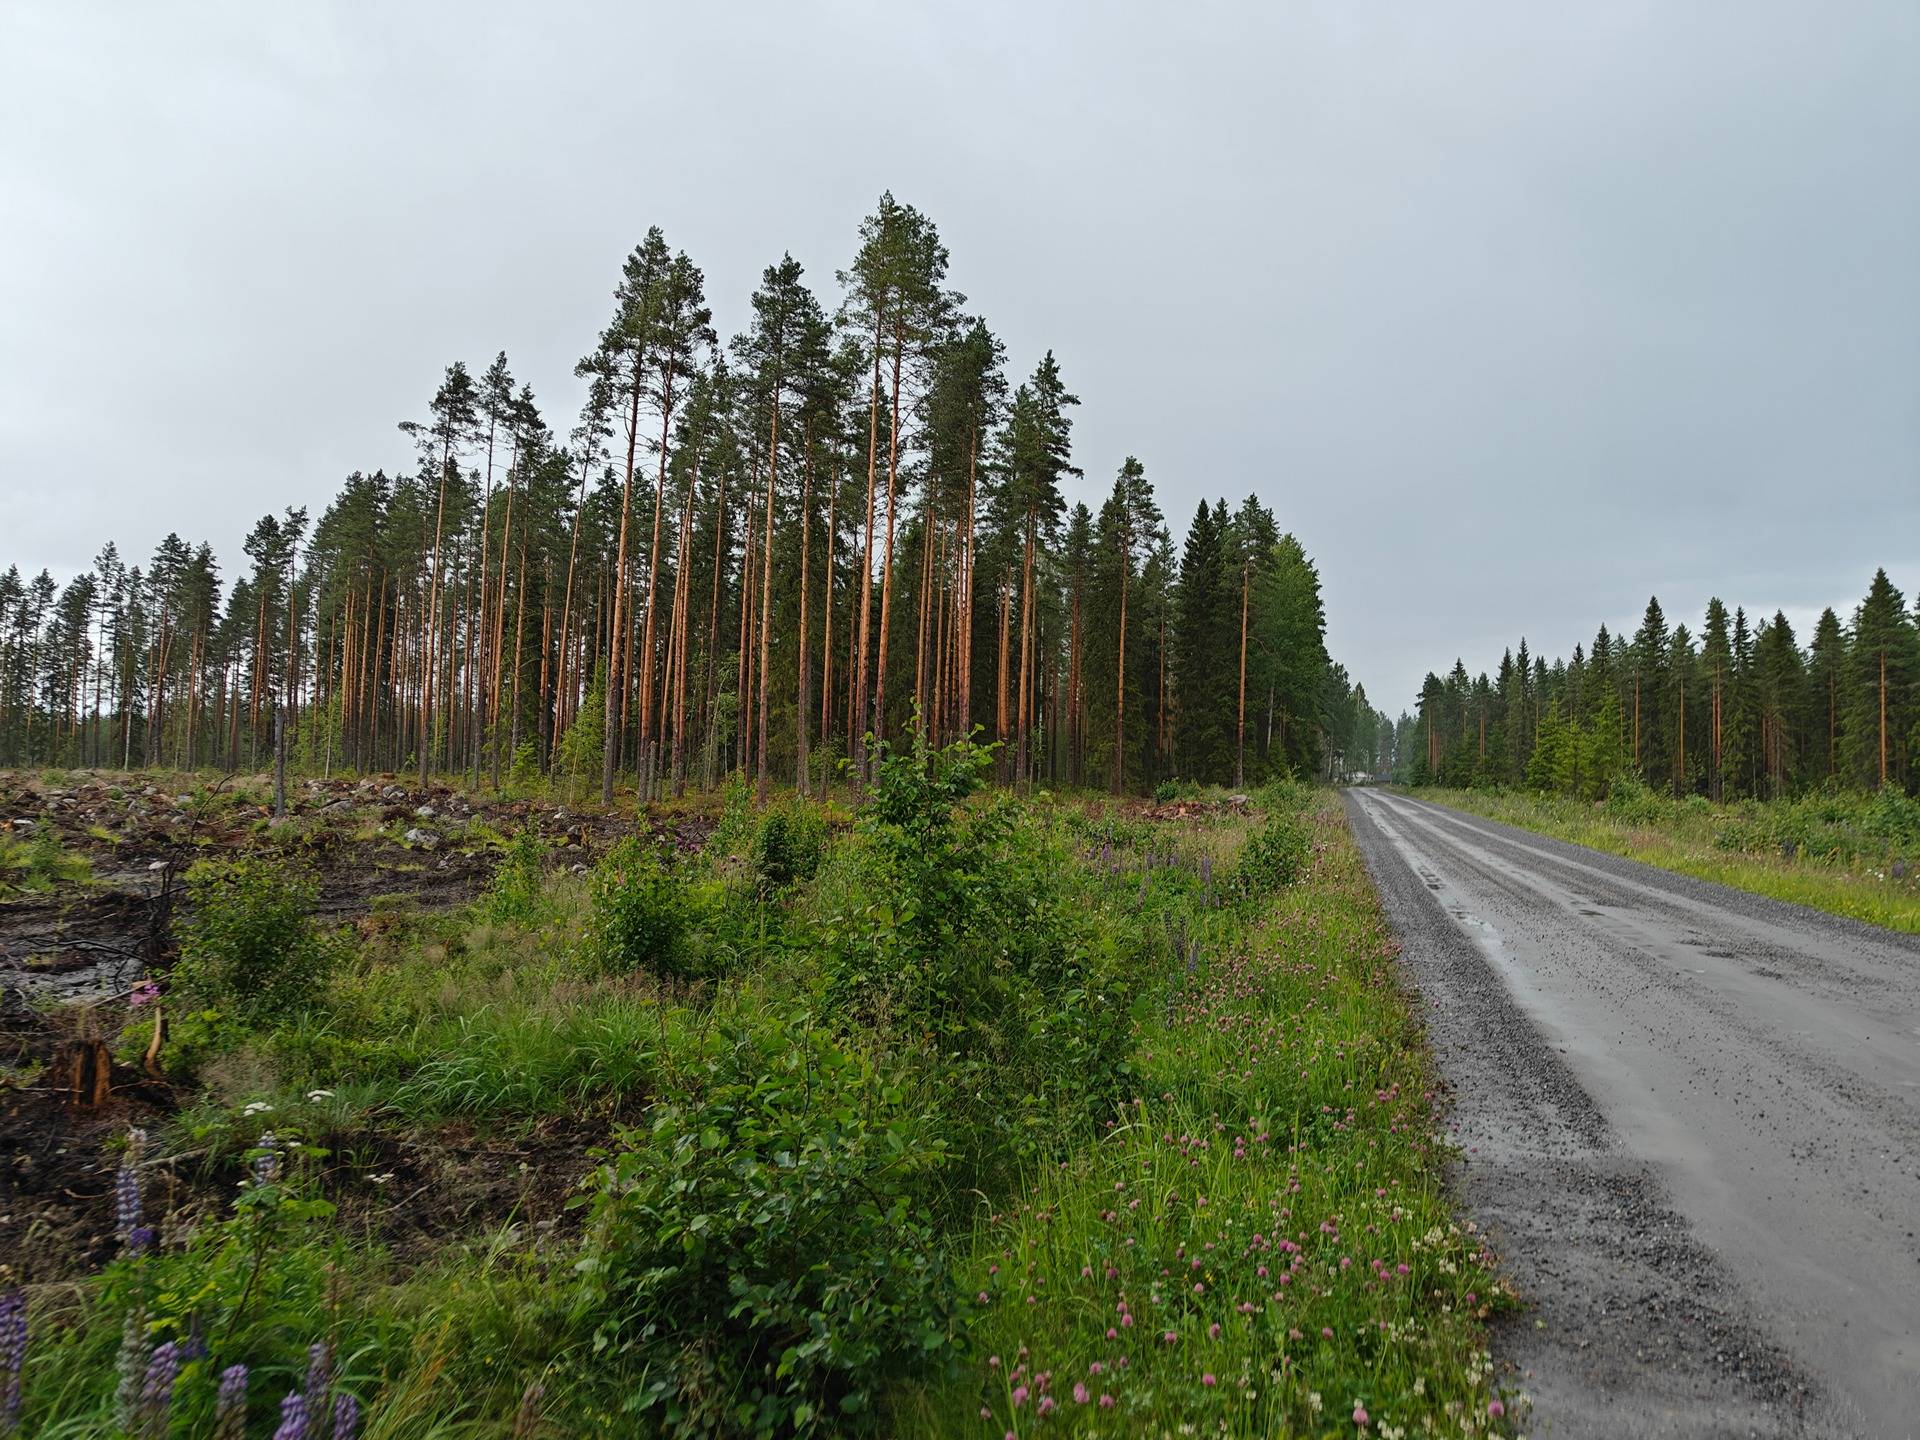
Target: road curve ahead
(1691, 1123)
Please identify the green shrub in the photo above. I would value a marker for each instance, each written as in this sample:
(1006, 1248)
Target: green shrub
(960, 946)
(249, 947)
(645, 915)
(1629, 800)
(1273, 856)
(1284, 795)
(760, 1260)
(1166, 791)
(787, 847)
(517, 894)
(1893, 817)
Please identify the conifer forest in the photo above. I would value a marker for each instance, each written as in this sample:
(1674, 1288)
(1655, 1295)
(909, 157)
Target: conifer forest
(1740, 708)
(743, 555)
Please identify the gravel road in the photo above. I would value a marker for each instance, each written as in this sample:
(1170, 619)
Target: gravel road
(1690, 1120)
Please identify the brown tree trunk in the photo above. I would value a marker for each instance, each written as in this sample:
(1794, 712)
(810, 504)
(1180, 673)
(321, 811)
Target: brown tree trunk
(766, 592)
(859, 718)
(803, 696)
(610, 750)
(1240, 733)
(647, 741)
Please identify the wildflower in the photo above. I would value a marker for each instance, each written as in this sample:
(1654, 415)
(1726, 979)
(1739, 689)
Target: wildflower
(346, 1417)
(1208, 1380)
(1019, 1396)
(1495, 1409)
(156, 1391)
(257, 1107)
(1313, 1401)
(1046, 1404)
(266, 1165)
(1360, 1416)
(319, 1381)
(1080, 1392)
(131, 1366)
(1213, 1331)
(126, 1187)
(13, 1357)
(144, 993)
(1106, 1402)
(319, 1094)
(293, 1418)
(230, 1405)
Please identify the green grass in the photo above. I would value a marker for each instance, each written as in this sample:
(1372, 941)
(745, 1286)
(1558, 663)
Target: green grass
(1836, 863)
(1260, 1246)
(1104, 1062)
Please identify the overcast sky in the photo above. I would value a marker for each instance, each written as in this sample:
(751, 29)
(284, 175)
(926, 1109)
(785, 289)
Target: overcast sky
(1514, 313)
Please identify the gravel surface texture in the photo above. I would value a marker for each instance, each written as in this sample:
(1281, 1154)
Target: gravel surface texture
(1689, 1118)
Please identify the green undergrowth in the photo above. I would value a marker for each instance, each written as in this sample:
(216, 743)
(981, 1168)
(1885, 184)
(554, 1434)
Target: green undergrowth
(950, 1113)
(1847, 854)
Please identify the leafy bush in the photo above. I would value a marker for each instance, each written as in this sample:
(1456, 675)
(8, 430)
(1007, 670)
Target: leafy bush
(1166, 791)
(761, 1256)
(1284, 795)
(1893, 817)
(1272, 857)
(1629, 800)
(645, 916)
(787, 847)
(961, 947)
(249, 947)
(516, 894)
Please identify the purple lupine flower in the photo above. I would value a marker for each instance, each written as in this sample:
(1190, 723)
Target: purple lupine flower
(126, 1187)
(319, 1381)
(230, 1405)
(266, 1166)
(156, 1391)
(13, 1357)
(135, 1349)
(140, 1239)
(293, 1417)
(346, 1417)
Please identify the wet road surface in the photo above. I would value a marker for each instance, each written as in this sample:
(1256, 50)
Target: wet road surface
(1690, 1119)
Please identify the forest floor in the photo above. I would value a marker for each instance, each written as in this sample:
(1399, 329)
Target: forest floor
(1846, 854)
(1173, 1166)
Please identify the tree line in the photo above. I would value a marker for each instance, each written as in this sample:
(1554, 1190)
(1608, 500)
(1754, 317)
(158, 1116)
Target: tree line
(845, 522)
(1738, 709)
